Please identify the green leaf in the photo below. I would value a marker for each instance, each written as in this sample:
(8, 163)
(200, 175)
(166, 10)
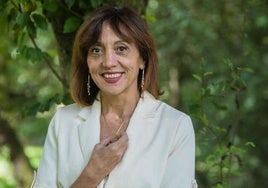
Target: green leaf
(229, 63)
(70, 3)
(219, 186)
(31, 29)
(95, 3)
(40, 21)
(208, 73)
(31, 109)
(46, 105)
(22, 19)
(84, 4)
(50, 5)
(71, 24)
(30, 53)
(245, 69)
(251, 144)
(197, 77)
(35, 54)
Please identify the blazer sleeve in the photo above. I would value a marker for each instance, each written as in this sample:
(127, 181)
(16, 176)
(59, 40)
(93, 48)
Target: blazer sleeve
(46, 176)
(180, 168)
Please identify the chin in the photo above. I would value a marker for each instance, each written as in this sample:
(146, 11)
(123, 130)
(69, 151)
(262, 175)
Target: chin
(111, 92)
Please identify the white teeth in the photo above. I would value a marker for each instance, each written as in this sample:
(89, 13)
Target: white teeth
(111, 75)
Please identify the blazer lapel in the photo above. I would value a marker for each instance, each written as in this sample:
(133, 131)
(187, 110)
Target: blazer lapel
(147, 106)
(144, 115)
(89, 129)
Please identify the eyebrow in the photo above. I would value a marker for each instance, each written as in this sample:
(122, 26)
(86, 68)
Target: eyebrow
(116, 42)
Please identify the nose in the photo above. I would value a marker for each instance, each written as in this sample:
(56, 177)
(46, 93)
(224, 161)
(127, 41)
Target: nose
(109, 59)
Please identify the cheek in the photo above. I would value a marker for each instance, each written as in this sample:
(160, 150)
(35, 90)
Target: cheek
(94, 61)
(93, 67)
(91, 64)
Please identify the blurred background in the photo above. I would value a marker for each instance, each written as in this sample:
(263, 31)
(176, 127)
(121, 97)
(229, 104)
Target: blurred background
(213, 65)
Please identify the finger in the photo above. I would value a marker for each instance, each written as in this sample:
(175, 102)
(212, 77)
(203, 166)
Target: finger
(113, 138)
(121, 142)
(106, 141)
(123, 138)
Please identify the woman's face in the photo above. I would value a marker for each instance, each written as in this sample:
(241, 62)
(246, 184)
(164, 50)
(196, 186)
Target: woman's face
(114, 64)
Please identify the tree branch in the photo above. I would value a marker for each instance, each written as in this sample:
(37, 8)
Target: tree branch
(20, 161)
(16, 6)
(49, 64)
(70, 10)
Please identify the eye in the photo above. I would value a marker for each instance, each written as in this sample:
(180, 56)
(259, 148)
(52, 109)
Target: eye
(121, 50)
(95, 51)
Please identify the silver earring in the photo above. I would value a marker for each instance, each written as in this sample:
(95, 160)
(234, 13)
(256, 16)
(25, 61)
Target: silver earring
(88, 84)
(142, 80)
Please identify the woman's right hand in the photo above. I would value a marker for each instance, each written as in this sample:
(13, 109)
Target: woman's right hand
(105, 156)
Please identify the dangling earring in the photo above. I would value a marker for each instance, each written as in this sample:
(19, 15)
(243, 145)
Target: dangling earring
(142, 80)
(88, 84)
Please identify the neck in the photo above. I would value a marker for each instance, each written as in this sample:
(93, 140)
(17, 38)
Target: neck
(121, 106)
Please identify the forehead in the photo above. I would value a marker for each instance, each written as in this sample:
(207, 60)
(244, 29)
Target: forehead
(108, 32)
(120, 31)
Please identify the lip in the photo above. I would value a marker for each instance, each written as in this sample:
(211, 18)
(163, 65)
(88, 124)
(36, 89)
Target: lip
(112, 77)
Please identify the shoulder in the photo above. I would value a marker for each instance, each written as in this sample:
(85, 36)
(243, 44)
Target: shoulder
(69, 109)
(71, 112)
(172, 112)
(164, 111)
(178, 124)
(67, 117)
(181, 120)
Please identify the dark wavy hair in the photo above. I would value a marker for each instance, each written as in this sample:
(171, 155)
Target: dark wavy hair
(127, 24)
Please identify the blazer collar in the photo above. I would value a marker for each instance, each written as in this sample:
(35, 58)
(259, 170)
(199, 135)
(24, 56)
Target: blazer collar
(89, 127)
(147, 106)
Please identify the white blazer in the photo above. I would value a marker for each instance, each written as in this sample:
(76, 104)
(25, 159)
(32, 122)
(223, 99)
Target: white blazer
(160, 154)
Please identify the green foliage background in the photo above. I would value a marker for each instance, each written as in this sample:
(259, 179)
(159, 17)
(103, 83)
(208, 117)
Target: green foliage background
(213, 65)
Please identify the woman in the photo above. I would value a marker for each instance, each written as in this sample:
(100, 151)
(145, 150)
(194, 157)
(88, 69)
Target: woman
(117, 134)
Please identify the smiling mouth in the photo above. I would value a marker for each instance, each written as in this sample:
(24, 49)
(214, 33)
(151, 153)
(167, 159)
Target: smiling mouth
(112, 78)
(114, 75)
